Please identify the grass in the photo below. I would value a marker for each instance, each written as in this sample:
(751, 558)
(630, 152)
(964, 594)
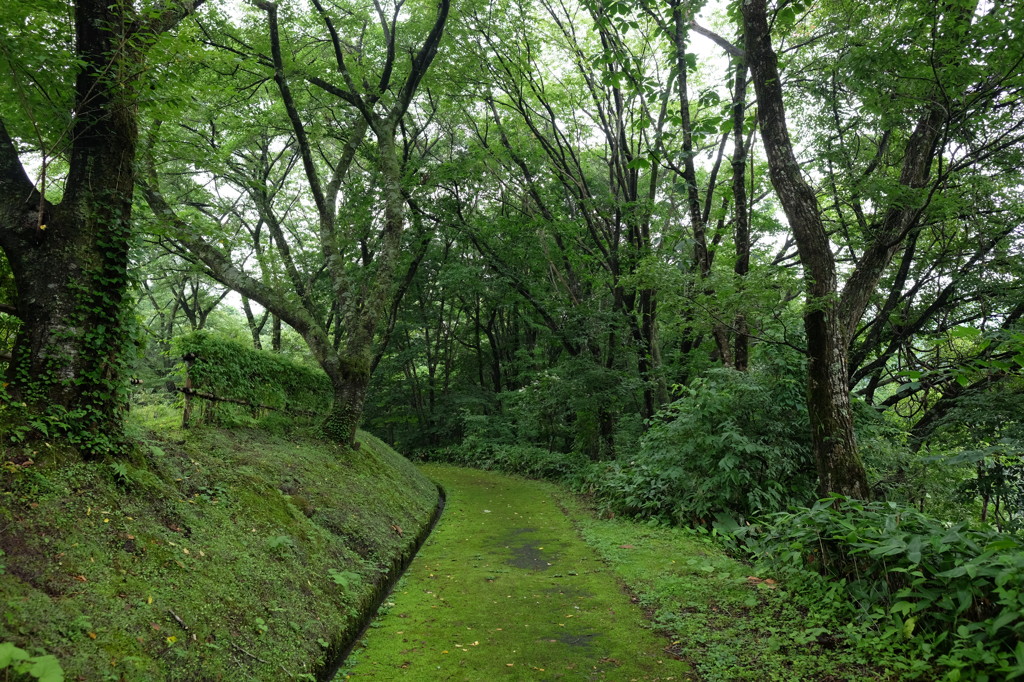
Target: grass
(504, 587)
(246, 554)
(211, 555)
(521, 581)
(729, 623)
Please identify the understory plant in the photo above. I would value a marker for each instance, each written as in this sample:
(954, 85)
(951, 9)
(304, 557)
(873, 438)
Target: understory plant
(734, 443)
(951, 593)
(515, 458)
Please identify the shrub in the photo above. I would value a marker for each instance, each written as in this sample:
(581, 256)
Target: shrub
(229, 369)
(952, 592)
(525, 460)
(734, 442)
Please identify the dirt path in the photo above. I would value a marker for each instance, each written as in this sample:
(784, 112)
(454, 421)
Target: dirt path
(504, 588)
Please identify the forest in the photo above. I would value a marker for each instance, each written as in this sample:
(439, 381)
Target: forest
(752, 267)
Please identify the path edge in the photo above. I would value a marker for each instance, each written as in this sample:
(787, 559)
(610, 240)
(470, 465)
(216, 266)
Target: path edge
(381, 589)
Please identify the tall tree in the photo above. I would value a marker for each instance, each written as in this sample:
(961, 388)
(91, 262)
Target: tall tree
(922, 134)
(336, 294)
(69, 256)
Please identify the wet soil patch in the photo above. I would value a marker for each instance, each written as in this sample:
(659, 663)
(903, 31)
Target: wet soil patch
(530, 558)
(527, 550)
(577, 640)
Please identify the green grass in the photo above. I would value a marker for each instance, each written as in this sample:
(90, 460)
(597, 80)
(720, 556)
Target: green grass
(521, 581)
(728, 622)
(212, 555)
(504, 587)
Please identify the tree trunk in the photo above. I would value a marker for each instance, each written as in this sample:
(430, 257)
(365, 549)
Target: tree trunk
(349, 382)
(70, 260)
(828, 397)
(741, 216)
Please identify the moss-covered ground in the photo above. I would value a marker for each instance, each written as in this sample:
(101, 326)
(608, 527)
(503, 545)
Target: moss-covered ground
(520, 581)
(505, 587)
(731, 625)
(242, 555)
(211, 555)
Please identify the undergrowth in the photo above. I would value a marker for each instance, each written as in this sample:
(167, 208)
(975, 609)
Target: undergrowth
(949, 594)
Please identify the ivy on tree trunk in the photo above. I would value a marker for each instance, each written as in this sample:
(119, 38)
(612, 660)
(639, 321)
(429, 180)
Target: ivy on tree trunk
(70, 259)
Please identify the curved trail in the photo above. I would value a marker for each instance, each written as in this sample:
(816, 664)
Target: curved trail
(505, 588)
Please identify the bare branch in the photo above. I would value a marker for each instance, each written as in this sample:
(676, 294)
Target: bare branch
(717, 40)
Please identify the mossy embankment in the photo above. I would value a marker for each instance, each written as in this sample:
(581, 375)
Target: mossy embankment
(211, 555)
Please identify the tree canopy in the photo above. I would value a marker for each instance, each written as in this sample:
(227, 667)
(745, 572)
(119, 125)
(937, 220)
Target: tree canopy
(560, 224)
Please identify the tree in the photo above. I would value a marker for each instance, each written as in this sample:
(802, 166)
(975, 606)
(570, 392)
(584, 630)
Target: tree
(69, 257)
(925, 137)
(336, 297)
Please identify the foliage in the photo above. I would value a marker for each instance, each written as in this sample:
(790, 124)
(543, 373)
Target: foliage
(731, 621)
(525, 460)
(730, 444)
(44, 668)
(230, 369)
(950, 592)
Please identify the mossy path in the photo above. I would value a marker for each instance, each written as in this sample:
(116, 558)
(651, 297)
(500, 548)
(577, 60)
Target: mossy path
(504, 587)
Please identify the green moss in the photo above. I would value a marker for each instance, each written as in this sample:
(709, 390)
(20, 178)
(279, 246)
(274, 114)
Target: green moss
(505, 588)
(208, 558)
(730, 624)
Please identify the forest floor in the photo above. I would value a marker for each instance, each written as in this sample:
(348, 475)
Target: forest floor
(519, 581)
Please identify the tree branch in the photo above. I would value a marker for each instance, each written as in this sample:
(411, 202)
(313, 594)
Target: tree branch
(718, 40)
(18, 194)
(169, 15)
(312, 176)
(421, 62)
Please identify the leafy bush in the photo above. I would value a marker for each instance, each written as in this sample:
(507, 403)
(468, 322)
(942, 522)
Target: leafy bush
(524, 460)
(229, 369)
(983, 437)
(734, 442)
(952, 592)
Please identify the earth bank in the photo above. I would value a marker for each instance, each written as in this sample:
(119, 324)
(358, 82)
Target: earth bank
(212, 555)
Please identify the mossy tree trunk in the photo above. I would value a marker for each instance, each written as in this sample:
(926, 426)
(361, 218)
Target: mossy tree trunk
(70, 260)
(349, 385)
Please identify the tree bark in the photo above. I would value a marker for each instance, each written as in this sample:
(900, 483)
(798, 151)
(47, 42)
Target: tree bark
(828, 398)
(741, 216)
(70, 260)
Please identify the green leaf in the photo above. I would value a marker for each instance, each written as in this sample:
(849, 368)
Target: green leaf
(10, 653)
(47, 669)
(1005, 617)
(964, 332)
